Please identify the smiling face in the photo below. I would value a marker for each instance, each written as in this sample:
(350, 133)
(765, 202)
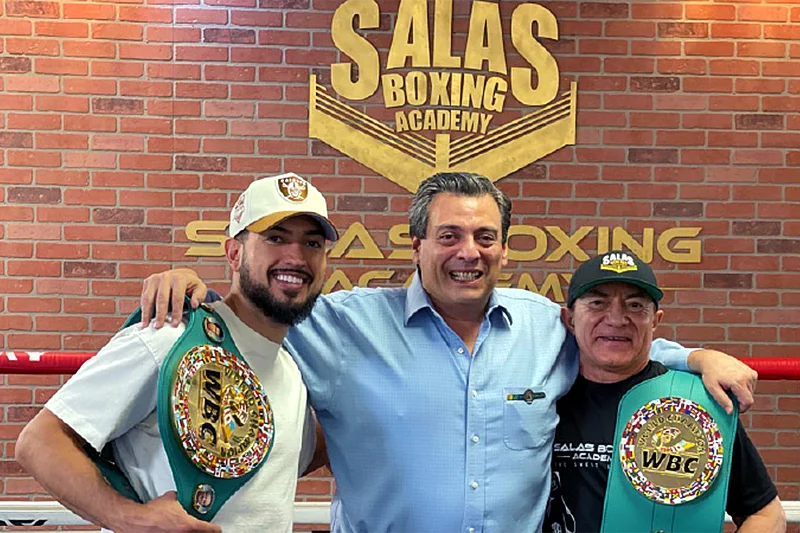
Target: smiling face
(613, 324)
(462, 255)
(281, 270)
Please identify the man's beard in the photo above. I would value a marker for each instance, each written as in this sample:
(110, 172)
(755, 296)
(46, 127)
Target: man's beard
(259, 295)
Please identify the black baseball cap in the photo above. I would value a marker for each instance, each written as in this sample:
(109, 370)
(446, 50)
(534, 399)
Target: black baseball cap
(619, 266)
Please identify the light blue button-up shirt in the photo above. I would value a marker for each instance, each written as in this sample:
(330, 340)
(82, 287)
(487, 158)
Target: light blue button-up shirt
(424, 436)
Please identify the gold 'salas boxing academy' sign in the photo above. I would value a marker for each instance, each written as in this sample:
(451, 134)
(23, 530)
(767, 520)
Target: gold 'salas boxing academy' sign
(445, 103)
(526, 243)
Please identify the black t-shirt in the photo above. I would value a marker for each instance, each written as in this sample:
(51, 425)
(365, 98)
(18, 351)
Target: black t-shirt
(584, 445)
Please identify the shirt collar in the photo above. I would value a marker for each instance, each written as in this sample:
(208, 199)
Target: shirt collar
(417, 299)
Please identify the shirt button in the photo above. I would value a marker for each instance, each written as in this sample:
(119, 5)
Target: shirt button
(460, 350)
(474, 393)
(475, 438)
(471, 530)
(474, 484)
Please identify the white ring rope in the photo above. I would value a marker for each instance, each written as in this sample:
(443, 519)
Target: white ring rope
(50, 513)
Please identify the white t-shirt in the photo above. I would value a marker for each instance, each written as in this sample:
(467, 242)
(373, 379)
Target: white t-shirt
(113, 398)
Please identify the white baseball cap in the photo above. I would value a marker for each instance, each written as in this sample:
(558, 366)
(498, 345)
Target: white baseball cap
(271, 200)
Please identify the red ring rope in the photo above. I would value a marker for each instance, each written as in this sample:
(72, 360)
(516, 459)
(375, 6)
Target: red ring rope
(42, 362)
(70, 362)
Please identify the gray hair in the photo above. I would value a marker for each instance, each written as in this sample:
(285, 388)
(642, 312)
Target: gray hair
(459, 183)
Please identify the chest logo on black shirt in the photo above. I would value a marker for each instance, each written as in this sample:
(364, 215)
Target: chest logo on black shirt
(671, 450)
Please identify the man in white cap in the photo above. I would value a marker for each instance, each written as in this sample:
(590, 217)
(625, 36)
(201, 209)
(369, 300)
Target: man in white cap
(214, 408)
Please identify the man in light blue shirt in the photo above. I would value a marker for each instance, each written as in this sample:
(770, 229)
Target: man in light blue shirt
(438, 401)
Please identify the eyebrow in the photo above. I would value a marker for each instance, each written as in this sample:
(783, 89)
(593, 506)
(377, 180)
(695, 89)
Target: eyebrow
(456, 227)
(316, 232)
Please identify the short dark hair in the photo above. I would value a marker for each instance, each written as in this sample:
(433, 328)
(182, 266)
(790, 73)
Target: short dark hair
(460, 183)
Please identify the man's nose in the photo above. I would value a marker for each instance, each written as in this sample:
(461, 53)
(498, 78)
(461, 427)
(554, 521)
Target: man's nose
(616, 314)
(468, 249)
(293, 252)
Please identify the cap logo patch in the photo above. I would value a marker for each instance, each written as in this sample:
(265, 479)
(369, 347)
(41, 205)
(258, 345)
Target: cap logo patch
(293, 188)
(618, 263)
(238, 208)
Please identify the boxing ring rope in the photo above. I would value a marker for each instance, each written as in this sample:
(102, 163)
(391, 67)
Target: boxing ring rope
(50, 513)
(768, 368)
(53, 514)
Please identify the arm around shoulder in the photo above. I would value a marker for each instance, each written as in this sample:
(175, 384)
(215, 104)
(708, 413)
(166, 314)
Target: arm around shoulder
(722, 372)
(166, 290)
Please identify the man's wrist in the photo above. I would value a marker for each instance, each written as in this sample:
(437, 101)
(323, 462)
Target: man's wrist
(699, 358)
(695, 360)
(124, 514)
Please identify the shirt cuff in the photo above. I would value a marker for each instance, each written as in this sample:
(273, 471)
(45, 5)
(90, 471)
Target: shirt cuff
(671, 354)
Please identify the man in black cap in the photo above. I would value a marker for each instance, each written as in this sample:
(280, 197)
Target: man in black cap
(612, 309)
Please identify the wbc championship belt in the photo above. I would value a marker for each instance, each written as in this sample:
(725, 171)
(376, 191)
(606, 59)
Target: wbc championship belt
(214, 418)
(672, 459)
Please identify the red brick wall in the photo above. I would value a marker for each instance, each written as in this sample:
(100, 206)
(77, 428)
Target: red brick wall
(120, 122)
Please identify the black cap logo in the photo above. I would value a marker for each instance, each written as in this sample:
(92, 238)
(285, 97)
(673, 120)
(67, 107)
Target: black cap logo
(618, 262)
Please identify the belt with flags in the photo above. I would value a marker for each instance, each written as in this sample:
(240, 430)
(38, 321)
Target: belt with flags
(214, 418)
(672, 459)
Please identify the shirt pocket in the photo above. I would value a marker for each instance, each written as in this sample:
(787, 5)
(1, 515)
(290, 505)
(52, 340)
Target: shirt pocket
(526, 425)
